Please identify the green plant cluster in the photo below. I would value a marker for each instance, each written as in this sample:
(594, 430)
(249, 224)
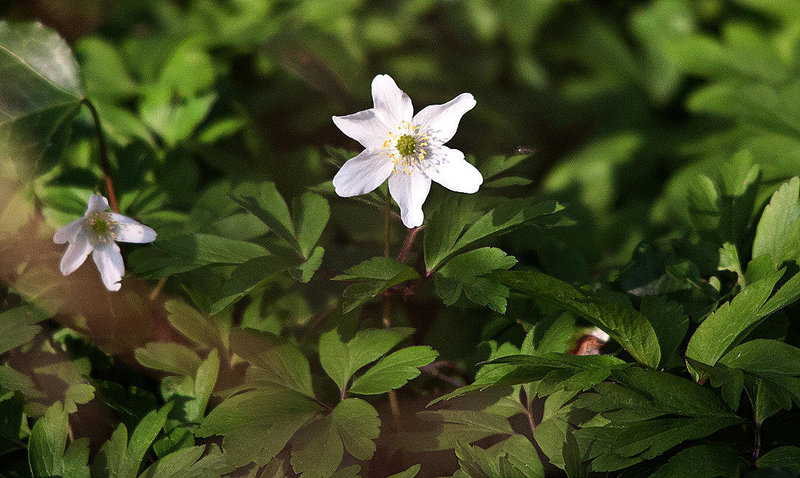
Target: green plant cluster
(641, 167)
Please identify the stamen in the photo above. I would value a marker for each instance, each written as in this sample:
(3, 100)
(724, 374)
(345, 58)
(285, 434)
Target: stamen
(100, 228)
(406, 147)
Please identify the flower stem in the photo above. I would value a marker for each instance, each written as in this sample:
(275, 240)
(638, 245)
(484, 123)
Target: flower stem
(407, 243)
(104, 164)
(757, 440)
(386, 313)
(386, 226)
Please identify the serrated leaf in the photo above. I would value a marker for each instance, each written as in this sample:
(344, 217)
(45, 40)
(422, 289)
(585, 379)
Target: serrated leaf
(461, 274)
(317, 449)
(247, 276)
(187, 252)
(340, 361)
(358, 425)
(778, 231)
(269, 206)
(393, 371)
(142, 437)
(305, 271)
(764, 356)
(732, 321)
(175, 464)
(500, 220)
(375, 276)
(40, 94)
(702, 461)
(311, 213)
(409, 473)
(47, 443)
(783, 457)
(257, 424)
(169, 357)
(192, 324)
(278, 360)
(17, 326)
(625, 325)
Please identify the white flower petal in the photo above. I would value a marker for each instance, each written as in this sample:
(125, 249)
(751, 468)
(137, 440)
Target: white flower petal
(449, 168)
(97, 203)
(129, 230)
(362, 173)
(390, 100)
(76, 253)
(69, 232)
(410, 192)
(109, 262)
(441, 121)
(366, 127)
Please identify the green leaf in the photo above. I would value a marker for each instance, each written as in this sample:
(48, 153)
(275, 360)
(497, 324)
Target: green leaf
(763, 356)
(142, 437)
(187, 252)
(461, 274)
(514, 457)
(358, 425)
(394, 370)
(732, 321)
(500, 220)
(334, 356)
(409, 473)
(778, 231)
(247, 276)
(317, 450)
(103, 70)
(720, 211)
(169, 357)
(204, 383)
(549, 336)
(257, 424)
(311, 213)
(375, 276)
(305, 271)
(340, 361)
(17, 326)
(13, 381)
(669, 322)
(41, 91)
(111, 456)
(784, 458)
(625, 325)
(279, 361)
(444, 227)
(451, 427)
(269, 206)
(647, 413)
(47, 443)
(702, 461)
(76, 459)
(192, 324)
(175, 464)
(500, 164)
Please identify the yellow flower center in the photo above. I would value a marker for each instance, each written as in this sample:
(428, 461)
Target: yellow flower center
(100, 228)
(406, 148)
(406, 145)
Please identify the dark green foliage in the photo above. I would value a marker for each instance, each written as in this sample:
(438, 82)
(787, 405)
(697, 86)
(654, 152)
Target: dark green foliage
(640, 166)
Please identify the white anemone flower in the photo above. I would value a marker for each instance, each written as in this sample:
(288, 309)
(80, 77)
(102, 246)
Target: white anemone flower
(407, 150)
(98, 232)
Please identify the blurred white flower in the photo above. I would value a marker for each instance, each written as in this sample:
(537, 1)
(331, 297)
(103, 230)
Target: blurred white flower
(409, 151)
(97, 232)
